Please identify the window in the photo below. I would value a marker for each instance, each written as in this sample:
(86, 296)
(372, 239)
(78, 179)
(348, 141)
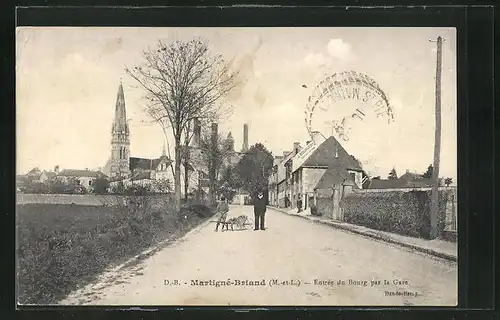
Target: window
(90, 182)
(353, 176)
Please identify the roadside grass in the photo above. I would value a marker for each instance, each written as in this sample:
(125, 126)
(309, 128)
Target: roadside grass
(63, 247)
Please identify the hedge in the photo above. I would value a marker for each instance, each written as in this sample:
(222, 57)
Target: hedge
(405, 213)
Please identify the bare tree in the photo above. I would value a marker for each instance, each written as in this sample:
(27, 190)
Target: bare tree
(182, 81)
(216, 154)
(188, 134)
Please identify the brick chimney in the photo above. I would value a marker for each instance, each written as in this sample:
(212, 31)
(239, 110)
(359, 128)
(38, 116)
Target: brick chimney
(56, 169)
(296, 147)
(317, 137)
(245, 138)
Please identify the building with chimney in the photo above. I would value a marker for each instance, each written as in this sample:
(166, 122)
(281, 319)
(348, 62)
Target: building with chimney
(320, 165)
(121, 166)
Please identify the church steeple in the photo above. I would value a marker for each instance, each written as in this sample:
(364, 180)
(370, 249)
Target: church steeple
(120, 138)
(120, 123)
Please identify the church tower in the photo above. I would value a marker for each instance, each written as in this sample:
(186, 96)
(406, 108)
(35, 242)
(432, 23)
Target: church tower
(120, 139)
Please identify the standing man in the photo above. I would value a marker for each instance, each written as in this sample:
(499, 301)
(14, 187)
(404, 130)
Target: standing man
(299, 203)
(259, 210)
(222, 210)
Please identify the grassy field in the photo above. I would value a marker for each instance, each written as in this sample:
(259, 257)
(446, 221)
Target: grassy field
(63, 246)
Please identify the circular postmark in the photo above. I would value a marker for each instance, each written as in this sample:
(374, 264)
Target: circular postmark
(367, 97)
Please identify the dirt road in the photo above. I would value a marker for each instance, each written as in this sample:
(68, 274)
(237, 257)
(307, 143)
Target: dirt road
(293, 262)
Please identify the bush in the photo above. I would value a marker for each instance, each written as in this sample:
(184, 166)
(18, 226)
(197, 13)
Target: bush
(100, 185)
(405, 213)
(62, 246)
(36, 187)
(200, 210)
(119, 188)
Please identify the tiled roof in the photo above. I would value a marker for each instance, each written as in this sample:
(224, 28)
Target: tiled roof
(140, 163)
(399, 183)
(80, 173)
(335, 174)
(146, 164)
(34, 172)
(420, 183)
(386, 184)
(324, 156)
(411, 176)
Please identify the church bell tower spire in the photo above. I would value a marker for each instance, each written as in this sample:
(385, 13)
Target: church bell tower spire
(120, 138)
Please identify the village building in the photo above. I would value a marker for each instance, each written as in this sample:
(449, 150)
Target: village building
(49, 175)
(273, 181)
(407, 180)
(83, 178)
(121, 167)
(283, 177)
(34, 175)
(322, 164)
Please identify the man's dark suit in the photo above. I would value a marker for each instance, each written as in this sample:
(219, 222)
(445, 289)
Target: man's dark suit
(259, 210)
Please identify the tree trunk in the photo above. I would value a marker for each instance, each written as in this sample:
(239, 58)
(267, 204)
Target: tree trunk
(186, 157)
(213, 151)
(177, 176)
(186, 173)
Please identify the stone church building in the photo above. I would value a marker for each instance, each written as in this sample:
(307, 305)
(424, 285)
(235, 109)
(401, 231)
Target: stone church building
(144, 171)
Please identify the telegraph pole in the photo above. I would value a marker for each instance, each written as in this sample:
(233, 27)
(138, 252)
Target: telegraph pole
(437, 143)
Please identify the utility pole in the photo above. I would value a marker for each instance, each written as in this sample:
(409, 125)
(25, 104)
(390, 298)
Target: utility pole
(437, 143)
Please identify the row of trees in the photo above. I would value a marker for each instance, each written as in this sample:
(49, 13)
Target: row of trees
(99, 186)
(64, 186)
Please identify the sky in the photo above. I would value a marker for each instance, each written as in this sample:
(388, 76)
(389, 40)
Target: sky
(67, 81)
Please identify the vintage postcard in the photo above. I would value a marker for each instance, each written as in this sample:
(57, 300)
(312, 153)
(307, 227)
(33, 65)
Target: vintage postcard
(236, 166)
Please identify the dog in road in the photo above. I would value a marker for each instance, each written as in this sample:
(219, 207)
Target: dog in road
(240, 222)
